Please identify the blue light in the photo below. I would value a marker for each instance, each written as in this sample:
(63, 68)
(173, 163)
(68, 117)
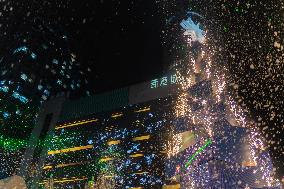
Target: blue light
(149, 159)
(18, 112)
(54, 61)
(135, 147)
(6, 115)
(4, 89)
(119, 168)
(46, 92)
(128, 162)
(39, 87)
(23, 48)
(72, 86)
(24, 77)
(138, 166)
(59, 82)
(90, 142)
(33, 55)
(143, 180)
(20, 97)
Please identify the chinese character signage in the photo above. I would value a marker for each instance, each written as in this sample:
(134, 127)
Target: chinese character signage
(154, 83)
(164, 81)
(174, 79)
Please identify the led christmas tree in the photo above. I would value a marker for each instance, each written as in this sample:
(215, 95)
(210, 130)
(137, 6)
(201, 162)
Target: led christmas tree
(213, 144)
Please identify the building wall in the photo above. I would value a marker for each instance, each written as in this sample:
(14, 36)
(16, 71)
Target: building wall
(123, 144)
(148, 145)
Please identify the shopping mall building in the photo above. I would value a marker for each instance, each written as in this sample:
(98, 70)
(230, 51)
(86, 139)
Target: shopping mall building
(133, 138)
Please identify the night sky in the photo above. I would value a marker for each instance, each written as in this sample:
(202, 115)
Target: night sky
(120, 41)
(123, 44)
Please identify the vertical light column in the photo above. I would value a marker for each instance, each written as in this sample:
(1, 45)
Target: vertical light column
(50, 108)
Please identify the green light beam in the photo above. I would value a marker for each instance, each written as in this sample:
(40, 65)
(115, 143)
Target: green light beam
(197, 152)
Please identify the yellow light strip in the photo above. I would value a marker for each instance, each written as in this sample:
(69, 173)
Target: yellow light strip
(177, 186)
(117, 115)
(141, 173)
(136, 155)
(145, 137)
(143, 110)
(106, 159)
(66, 180)
(68, 164)
(113, 142)
(109, 176)
(69, 180)
(75, 124)
(137, 188)
(70, 149)
(47, 167)
(64, 165)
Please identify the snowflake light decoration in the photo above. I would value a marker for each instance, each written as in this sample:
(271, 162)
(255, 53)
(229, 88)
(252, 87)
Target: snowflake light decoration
(193, 30)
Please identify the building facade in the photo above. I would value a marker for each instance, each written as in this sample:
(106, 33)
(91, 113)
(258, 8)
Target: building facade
(133, 138)
(36, 65)
(111, 140)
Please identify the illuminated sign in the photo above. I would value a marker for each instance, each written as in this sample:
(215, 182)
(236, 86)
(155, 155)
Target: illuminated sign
(164, 81)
